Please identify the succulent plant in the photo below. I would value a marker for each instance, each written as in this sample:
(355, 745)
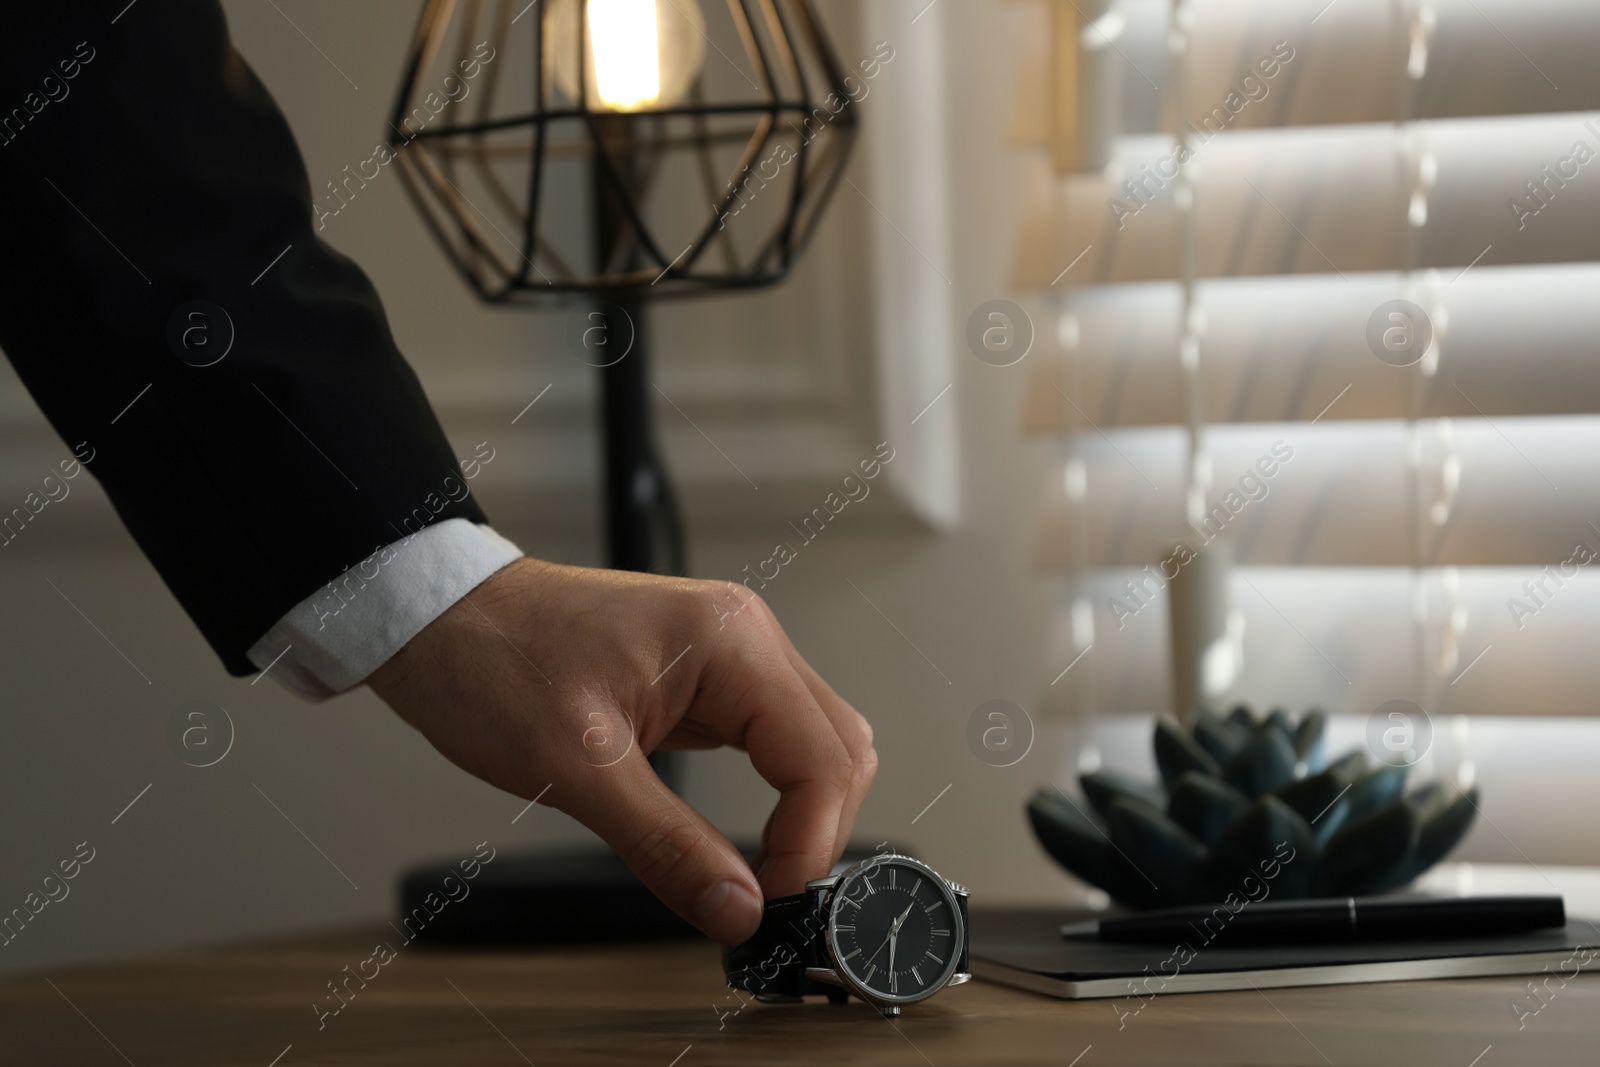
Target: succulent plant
(1234, 789)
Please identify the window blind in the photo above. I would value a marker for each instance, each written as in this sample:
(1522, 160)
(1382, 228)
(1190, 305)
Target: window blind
(1224, 197)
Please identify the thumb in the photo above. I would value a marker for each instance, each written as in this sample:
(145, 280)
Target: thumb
(673, 849)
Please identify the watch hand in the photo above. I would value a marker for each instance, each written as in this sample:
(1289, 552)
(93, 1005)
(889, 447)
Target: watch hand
(874, 956)
(894, 929)
(894, 935)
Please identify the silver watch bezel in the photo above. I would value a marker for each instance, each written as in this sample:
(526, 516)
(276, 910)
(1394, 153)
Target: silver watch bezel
(951, 974)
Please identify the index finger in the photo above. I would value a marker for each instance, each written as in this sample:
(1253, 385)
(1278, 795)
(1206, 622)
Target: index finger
(793, 745)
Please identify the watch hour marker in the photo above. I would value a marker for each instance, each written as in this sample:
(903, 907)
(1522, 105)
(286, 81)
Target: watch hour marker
(917, 975)
(852, 929)
(872, 970)
(941, 933)
(843, 959)
(853, 903)
(916, 887)
(891, 877)
(934, 958)
(894, 982)
(935, 904)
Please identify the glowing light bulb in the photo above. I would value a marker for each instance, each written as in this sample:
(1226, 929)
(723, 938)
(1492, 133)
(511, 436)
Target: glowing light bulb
(639, 54)
(627, 53)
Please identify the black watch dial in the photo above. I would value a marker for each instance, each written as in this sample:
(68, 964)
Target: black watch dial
(894, 929)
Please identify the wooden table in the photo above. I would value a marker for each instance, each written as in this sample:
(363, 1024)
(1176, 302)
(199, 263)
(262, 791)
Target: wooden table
(660, 1005)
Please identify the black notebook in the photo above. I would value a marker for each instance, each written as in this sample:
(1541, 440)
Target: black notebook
(1025, 949)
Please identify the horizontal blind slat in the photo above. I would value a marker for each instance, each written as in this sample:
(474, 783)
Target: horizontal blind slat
(1327, 200)
(1342, 639)
(1525, 492)
(1510, 341)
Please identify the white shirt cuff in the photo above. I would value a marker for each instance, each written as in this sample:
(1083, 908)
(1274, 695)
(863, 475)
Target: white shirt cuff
(332, 640)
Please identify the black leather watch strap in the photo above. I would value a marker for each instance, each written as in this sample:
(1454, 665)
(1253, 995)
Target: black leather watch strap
(963, 966)
(790, 938)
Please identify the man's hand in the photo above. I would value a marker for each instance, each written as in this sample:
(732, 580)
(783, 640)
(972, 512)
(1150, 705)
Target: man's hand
(569, 677)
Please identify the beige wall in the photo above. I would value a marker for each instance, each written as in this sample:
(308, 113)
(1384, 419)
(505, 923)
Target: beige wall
(203, 855)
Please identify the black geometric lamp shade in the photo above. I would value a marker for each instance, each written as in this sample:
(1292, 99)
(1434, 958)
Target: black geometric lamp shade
(599, 146)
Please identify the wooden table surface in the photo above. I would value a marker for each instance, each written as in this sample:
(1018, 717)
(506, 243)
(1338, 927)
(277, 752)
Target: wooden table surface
(660, 1005)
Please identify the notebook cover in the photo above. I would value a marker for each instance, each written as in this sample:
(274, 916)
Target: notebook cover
(1026, 949)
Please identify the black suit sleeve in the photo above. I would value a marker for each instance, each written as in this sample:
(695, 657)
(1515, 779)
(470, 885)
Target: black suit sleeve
(142, 167)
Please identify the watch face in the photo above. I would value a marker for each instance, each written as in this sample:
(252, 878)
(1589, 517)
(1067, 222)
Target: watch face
(894, 929)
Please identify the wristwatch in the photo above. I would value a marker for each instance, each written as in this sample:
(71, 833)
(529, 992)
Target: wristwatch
(889, 930)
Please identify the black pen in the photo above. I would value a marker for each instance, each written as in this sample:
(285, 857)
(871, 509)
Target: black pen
(1332, 919)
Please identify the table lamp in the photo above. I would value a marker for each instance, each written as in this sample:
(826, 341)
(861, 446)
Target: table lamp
(601, 154)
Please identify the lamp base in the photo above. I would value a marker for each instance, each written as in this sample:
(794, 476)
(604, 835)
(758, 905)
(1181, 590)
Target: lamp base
(552, 896)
